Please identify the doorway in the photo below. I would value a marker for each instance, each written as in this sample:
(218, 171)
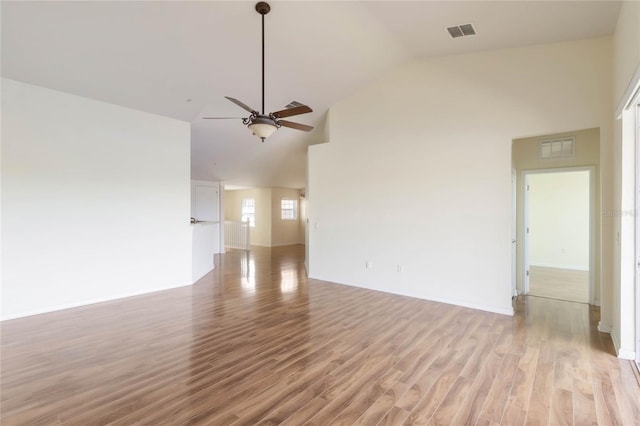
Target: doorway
(558, 252)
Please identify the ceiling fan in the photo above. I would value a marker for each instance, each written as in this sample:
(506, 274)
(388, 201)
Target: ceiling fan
(264, 125)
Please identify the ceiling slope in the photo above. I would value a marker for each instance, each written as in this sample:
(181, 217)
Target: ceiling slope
(179, 59)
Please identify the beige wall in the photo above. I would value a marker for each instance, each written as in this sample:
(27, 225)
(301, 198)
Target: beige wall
(525, 158)
(261, 233)
(270, 229)
(626, 61)
(626, 46)
(285, 232)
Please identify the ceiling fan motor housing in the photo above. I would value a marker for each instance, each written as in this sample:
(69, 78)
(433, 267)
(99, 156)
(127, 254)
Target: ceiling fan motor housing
(265, 119)
(263, 8)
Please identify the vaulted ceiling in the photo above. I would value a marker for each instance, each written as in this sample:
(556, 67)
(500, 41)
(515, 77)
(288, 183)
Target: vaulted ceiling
(179, 59)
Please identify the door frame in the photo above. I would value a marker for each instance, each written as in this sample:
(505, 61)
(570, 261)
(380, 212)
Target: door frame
(637, 228)
(219, 219)
(592, 221)
(514, 233)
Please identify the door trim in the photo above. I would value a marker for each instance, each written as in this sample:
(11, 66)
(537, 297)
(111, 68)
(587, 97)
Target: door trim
(592, 222)
(514, 233)
(637, 231)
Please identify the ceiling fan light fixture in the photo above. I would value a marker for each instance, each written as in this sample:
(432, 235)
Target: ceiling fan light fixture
(263, 127)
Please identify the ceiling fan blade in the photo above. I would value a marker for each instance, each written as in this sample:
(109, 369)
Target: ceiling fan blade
(296, 126)
(241, 105)
(223, 118)
(302, 109)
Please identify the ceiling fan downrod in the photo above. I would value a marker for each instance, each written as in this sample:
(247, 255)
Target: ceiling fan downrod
(263, 8)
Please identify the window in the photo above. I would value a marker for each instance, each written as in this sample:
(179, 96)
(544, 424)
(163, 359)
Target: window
(289, 209)
(249, 211)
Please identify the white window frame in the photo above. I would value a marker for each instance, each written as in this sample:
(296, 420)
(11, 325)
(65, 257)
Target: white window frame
(286, 210)
(248, 211)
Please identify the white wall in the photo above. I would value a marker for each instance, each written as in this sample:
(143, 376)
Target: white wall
(626, 62)
(559, 220)
(417, 172)
(95, 201)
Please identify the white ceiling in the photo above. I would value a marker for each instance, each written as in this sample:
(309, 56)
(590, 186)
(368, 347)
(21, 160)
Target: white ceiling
(179, 59)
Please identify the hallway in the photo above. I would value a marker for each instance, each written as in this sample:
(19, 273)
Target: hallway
(562, 284)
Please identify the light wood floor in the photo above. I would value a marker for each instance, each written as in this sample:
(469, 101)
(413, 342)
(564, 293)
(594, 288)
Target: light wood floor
(266, 346)
(563, 284)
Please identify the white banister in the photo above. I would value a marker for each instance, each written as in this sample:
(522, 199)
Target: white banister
(237, 234)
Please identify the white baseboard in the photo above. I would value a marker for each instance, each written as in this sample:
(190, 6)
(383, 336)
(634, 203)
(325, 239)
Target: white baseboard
(497, 310)
(620, 352)
(494, 309)
(624, 354)
(84, 303)
(198, 276)
(556, 266)
(603, 328)
(278, 245)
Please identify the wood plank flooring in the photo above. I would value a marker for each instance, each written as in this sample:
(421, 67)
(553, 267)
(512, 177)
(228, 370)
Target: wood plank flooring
(255, 342)
(556, 283)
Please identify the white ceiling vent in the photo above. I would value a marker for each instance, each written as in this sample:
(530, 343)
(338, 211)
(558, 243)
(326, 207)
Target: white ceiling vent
(551, 149)
(462, 30)
(293, 104)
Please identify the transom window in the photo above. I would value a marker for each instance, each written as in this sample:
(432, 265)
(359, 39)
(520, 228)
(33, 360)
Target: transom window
(557, 148)
(289, 209)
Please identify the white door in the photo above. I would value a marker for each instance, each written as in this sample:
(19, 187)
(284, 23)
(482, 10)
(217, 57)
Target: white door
(526, 234)
(206, 204)
(514, 291)
(205, 209)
